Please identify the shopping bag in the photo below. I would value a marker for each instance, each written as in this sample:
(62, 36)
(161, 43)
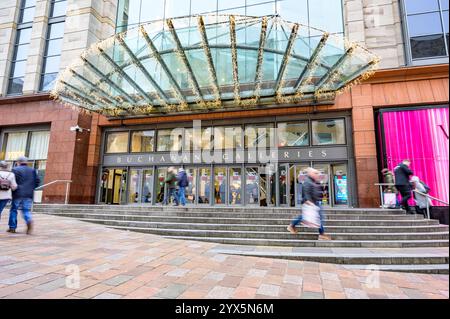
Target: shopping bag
(310, 216)
(390, 199)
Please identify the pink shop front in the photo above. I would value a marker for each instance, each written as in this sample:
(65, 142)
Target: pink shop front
(421, 135)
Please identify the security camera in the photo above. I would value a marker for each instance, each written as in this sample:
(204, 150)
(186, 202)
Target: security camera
(79, 129)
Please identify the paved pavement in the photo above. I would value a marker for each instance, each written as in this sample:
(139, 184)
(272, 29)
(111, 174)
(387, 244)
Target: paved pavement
(66, 258)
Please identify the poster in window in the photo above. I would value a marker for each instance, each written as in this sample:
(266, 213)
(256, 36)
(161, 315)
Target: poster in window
(340, 186)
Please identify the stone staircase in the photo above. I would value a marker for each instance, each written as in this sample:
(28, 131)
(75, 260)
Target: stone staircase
(390, 239)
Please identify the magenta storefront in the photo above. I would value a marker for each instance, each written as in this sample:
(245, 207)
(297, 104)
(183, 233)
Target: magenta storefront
(419, 134)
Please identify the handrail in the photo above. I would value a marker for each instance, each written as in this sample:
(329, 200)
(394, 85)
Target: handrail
(66, 201)
(430, 197)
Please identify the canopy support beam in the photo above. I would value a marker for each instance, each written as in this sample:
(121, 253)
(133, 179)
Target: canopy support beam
(329, 75)
(286, 56)
(260, 61)
(161, 62)
(237, 98)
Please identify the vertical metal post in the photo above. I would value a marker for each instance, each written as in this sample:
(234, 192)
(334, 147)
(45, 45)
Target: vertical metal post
(381, 195)
(428, 206)
(67, 193)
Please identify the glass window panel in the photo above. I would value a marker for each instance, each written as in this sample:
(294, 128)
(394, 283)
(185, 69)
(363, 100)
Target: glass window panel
(293, 134)
(327, 132)
(24, 36)
(235, 11)
(16, 144)
(294, 10)
(22, 52)
(445, 14)
(39, 145)
(227, 137)
(177, 8)
(326, 15)
(228, 4)
(142, 141)
(19, 69)
(48, 81)
(235, 186)
(207, 138)
(52, 64)
(152, 10)
(202, 6)
(117, 142)
(41, 167)
(15, 86)
(261, 9)
(27, 15)
(169, 140)
(54, 47)
(424, 24)
(419, 6)
(428, 46)
(59, 9)
(56, 30)
(28, 3)
(261, 135)
(444, 4)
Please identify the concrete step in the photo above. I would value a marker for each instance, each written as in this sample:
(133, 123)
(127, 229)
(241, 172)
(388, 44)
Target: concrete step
(237, 220)
(311, 243)
(284, 235)
(217, 214)
(275, 210)
(351, 256)
(177, 224)
(440, 269)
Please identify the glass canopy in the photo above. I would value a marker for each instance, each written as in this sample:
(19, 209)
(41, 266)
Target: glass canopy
(211, 62)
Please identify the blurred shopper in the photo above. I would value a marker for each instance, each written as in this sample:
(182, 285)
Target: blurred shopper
(312, 195)
(390, 192)
(171, 181)
(7, 185)
(421, 200)
(27, 181)
(402, 175)
(183, 182)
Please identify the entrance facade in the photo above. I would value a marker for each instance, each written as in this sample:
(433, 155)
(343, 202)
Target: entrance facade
(255, 163)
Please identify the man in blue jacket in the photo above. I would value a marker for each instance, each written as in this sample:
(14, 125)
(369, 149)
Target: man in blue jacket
(183, 182)
(27, 180)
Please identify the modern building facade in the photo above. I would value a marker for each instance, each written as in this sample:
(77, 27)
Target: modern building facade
(124, 156)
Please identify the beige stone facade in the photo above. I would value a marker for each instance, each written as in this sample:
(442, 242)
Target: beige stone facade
(87, 22)
(376, 24)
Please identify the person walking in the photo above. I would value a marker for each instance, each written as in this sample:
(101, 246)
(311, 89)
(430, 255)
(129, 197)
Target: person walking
(7, 185)
(27, 181)
(312, 195)
(402, 174)
(421, 200)
(183, 182)
(171, 181)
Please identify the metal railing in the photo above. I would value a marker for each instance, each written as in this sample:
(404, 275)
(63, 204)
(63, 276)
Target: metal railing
(428, 201)
(66, 201)
(417, 192)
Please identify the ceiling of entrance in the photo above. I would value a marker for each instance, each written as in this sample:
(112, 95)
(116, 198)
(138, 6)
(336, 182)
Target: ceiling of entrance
(211, 62)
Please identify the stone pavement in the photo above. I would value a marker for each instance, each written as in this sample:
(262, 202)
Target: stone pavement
(116, 264)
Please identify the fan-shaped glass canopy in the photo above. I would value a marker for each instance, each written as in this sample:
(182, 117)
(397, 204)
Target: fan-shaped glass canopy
(211, 62)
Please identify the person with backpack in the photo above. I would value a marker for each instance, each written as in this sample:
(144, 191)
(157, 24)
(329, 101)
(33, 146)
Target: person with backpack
(312, 196)
(402, 174)
(27, 181)
(421, 200)
(7, 185)
(183, 182)
(171, 181)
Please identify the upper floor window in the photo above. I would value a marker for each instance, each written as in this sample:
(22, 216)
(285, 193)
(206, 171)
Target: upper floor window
(427, 30)
(54, 40)
(23, 38)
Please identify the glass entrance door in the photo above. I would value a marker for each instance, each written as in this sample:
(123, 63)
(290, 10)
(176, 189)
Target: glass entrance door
(267, 185)
(220, 185)
(252, 186)
(113, 190)
(235, 190)
(324, 180)
(160, 185)
(204, 186)
(283, 184)
(140, 186)
(340, 186)
(191, 189)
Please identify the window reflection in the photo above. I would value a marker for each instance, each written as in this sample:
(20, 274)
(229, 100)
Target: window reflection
(117, 142)
(293, 134)
(328, 132)
(170, 140)
(142, 141)
(260, 135)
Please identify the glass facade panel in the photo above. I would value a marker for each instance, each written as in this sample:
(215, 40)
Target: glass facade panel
(142, 141)
(328, 132)
(419, 6)
(169, 140)
(251, 186)
(293, 134)
(261, 135)
(425, 24)
(59, 8)
(204, 186)
(235, 192)
(19, 62)
(117, 142)
(220, 185)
